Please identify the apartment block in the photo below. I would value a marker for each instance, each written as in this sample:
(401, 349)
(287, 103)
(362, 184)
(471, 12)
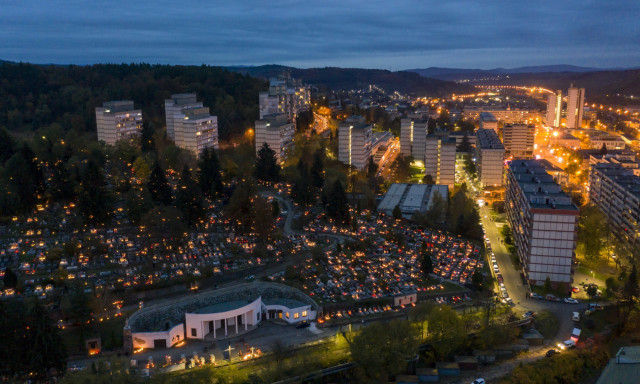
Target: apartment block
(489, 157)
(543, 222)
(518, 140)
(440, 159)
(614, 187)
(189, 123)
(278, 132)
(575, 107)
(488, 121)
(413, 135)
(554, 109)
(117, 120)
(354, 142)
(285, 95)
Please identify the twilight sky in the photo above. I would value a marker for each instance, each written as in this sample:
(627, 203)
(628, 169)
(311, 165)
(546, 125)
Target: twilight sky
(391, 34)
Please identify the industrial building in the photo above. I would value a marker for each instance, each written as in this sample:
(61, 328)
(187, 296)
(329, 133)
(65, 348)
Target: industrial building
(278, 132)
(543, 221)
(117, 120)
(411, 198)
(489, 157)
(354, 142)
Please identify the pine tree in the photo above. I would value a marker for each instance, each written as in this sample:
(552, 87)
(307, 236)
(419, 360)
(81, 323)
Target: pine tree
(337, 204)
(188, 198)
(317, 169)
(158, 185)
(147, 142)
(267, 168)
(209, 175)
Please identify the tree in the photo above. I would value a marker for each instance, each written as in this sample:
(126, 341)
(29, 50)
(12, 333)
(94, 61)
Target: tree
(267, 168)
(426, 266)
(158, 185)
(428, 179)
(95, 201)
(6, 145)
(46, 350)
(603, 149)
(263, 219)
(147, 142)
(165, 223)
(592, 231)
(382, 350)
(336, 203)
(435, 212)
(465, 144)
(240, 207)
(209, 175)
(189, 198)
(317, 169)
(138, 201)
(302, 190)
(446, 331)
(547, 286)
(419, 316)
(141, 168)
(477, 279)
(10, 278)
(397, 213)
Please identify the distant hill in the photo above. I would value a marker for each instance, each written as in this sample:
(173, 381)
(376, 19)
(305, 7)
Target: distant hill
(355, 78)
(597, 84)
(452, 74)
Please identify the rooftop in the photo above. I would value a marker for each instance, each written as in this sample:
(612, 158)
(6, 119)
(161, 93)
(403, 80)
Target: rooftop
(623, 368)
(223, 307)
(621, 175)
(488, 139)
(539, 188)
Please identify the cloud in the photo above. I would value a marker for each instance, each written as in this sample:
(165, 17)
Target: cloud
(400, 34)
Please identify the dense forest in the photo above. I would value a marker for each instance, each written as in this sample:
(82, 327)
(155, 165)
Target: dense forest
(37, 96)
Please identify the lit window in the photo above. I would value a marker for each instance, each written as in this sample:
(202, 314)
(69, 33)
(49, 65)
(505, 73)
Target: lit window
(296, 315)
(304, 313)
(286, 315)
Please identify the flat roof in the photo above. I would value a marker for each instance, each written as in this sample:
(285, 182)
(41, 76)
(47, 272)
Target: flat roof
(223, 307)
(392, 197)
(539, 188)
(289, 303)
(415, 197)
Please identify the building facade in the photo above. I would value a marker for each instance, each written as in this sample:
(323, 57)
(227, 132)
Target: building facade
(440, 159)
(488, 121)
(278, 132)
(575, 107)
(543, 222)
(354, 142)
(413, 135)
(506, 115)
(174, 106)
(489, 157)
(285, 95)
(614, 187)
(518, 140)
(117, 120)
(554, 109)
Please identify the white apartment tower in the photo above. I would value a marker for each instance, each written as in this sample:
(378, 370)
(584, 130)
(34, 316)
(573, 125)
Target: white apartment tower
(117, 120)
(543, 221)
(413, 135)
(440, 159)
(189, 124)
(575, 107)
(489, 157)
(174, 106)
(277, 132)
(285, 95)
(488, 121)
(554, 109)
(518, 140)
(354, 142)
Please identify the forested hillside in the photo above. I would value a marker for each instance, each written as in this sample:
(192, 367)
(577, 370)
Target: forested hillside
(36, 96)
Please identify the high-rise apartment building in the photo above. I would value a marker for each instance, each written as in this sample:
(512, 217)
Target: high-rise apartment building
(278, 132)
(285, 95)
(189, 124)
(489, 157)
(575, 107)
(554, 109)
(116, 120)
(488, 121)
(440, 159)
(174, 106)
(354, 142)
(543, 222)
(413, 134)
(614, 187)
(518, 140)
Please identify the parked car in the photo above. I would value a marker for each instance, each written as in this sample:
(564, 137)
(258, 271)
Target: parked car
(551, 297)
(478, 381)
(536, 296)
(552, 352)
(570, 300)
(576, 316)
(303, 324)
(529, 314)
